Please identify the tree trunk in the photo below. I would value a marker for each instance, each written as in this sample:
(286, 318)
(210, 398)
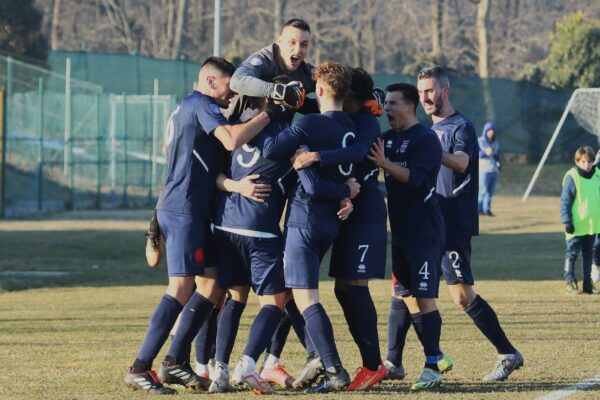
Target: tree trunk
(181, 11)
(55, 23)
(278, 15)
(483, 11)
(437, 14)
(371, 37)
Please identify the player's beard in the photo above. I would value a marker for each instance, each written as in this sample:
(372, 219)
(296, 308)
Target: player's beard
(437, 106)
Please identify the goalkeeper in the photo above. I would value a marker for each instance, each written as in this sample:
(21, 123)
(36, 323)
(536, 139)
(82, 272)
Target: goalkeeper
(286, 57)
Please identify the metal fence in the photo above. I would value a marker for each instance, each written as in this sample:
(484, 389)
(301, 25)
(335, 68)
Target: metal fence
(70, 145)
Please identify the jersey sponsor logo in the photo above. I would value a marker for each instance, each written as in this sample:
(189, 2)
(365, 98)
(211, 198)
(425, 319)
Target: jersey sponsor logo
(388, 144)
(404, 145)
(215, 109)
(256, 61)
(423, 286)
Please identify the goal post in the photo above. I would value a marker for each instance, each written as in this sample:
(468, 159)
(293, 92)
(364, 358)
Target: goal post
(584, 105)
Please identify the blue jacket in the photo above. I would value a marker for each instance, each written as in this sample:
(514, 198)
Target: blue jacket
(488, 163)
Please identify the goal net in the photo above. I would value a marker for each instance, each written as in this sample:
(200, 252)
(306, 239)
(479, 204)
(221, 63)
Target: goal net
(584, 108)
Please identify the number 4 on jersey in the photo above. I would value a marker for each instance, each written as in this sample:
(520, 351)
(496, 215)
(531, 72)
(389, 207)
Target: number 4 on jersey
(424, 271)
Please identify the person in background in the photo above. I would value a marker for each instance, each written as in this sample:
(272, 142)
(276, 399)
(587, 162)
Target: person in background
(489, 168)
(580, 213)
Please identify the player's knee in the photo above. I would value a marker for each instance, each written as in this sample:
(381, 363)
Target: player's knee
(239, 294)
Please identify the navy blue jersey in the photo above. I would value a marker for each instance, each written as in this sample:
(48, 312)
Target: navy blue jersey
(194, 156)
(369, 205)
(237, 211)
(415, 215)
(458, 191)
(327, 131)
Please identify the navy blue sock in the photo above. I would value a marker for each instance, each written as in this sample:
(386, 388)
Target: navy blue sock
(262, 330)
(320, 332)
(161, 323)
(361, 317)
(398, 325)
(486, 320)
(194, 314)
(429, 330)
(227, 330)
(280, 336)
(205, 339)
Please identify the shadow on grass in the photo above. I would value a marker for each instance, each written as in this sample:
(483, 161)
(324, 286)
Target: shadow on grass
(100, 258)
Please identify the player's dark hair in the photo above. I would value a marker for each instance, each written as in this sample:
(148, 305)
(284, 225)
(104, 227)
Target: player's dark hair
(361, 86)
(298, 24)
(434, 71)
(336, 76)
(410, 94)
(220, 64)
(584, 151)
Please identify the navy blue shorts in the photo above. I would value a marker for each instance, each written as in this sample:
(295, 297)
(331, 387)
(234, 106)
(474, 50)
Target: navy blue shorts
(456, 261)
(416, 271)
(188, 242)
(359, 252)
(250, 261)
(304, 250)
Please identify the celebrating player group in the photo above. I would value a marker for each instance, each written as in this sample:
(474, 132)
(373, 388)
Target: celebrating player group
(228, 183)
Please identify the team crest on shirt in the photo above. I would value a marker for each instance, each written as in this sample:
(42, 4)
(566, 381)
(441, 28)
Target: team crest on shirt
(215, 109)
(439, 133)
(256, 61)
(403, 146)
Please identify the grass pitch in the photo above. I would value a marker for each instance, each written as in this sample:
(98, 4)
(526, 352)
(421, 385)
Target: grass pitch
(71, 334)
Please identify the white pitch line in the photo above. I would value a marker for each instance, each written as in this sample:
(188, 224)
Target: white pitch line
(562, 393)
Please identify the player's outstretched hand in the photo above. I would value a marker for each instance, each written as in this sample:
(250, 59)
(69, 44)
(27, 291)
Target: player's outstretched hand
(254, 191)
(291, 94)
(375, 105)
(354, 187)
(345, 210)
(304, 159)
(377, 153)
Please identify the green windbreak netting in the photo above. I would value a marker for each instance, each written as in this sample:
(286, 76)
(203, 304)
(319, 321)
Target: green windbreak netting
(78, 146)
(99, 141)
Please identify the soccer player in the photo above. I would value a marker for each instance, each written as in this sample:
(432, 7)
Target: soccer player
(286, 57)
(312, 223)
(251, 254)
(457, 191)
(359, 251)
(196, 134)
(255, 78)
(410, 156)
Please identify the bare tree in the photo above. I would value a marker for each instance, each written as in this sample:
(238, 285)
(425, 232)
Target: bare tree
(55, 24)
(437, 13)
(181, 12)
(483, 12)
